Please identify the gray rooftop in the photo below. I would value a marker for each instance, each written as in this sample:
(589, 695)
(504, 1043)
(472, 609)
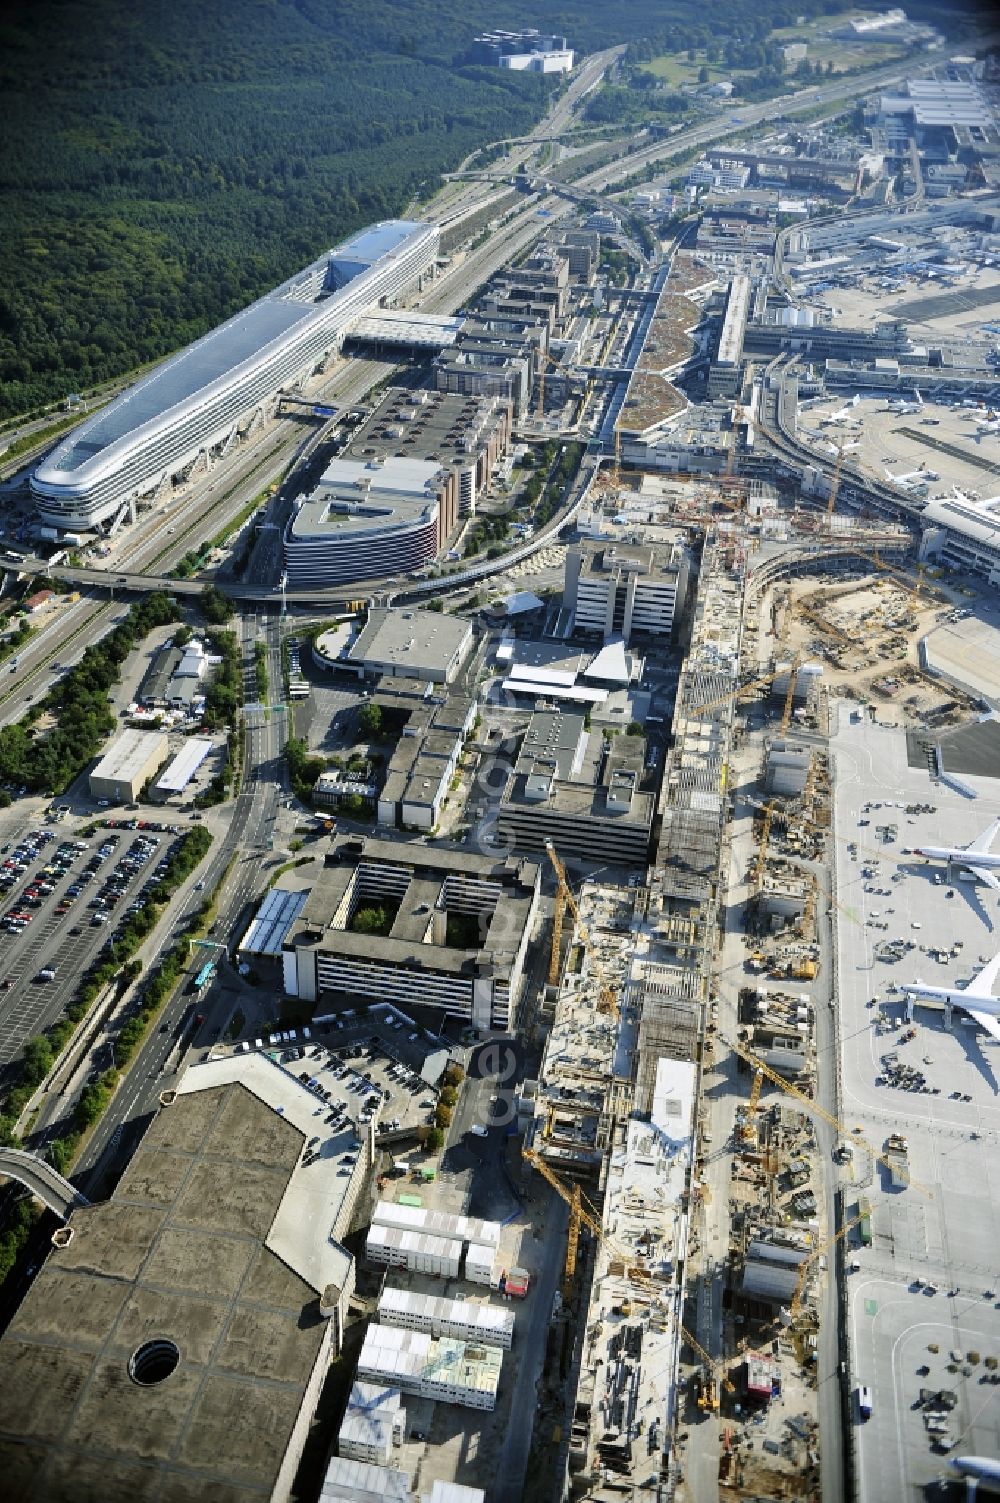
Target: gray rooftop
(514, 882)
(414, 640)
(970, 749)
(178, 1252)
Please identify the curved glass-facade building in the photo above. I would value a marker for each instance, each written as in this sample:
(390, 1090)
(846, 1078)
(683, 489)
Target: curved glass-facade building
(197, 399)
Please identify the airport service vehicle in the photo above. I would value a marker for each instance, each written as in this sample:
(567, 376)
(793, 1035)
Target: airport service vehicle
(976, 999)
(976, 857)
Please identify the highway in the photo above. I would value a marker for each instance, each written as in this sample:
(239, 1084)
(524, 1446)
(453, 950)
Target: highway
(205, 509)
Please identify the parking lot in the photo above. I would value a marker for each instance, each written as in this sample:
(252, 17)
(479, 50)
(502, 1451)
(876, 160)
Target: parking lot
(62, 896)
(363, 1074)
(922, 1293)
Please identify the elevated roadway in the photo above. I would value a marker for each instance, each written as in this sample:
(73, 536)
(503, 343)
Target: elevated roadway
(774, 425)
(45, 1183)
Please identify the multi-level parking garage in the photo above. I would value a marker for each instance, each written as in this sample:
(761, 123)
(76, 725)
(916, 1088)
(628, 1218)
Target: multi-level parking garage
(199, 400)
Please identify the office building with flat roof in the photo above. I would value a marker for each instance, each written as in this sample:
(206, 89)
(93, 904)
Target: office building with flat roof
(625, 589)
(458, 927)
(523, 51)
(725, 374)
(410, 643)
(494, 357)
(391, 500)
(196, 403)
(424, 761)
(578, 790)
(369, 518)
(964, 535)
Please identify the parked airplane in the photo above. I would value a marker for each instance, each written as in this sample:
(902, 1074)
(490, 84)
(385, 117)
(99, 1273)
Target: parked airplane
(977, 1470)
(912, 480)
(976, 999)
(902, 406)
(977, 856)
(843, 413)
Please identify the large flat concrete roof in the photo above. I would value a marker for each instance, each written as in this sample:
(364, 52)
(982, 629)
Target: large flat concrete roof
(179, 1253)
(300, 1230)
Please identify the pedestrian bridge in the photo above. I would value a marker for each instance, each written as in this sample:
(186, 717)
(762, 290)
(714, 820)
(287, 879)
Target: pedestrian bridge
(44, 1182)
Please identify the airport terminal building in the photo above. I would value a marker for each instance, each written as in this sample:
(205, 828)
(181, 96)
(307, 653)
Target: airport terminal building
(200, 400)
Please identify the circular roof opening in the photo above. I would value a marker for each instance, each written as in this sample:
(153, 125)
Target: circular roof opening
(153, 1362)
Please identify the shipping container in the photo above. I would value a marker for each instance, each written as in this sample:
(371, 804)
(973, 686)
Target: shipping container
(865, 1223)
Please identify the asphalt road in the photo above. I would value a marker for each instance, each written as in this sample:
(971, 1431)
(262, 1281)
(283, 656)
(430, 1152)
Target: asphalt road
(248, 825)
(487, 1102)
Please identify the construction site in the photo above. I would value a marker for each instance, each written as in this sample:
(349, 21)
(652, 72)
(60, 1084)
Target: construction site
(684, 1109)
(868, 633)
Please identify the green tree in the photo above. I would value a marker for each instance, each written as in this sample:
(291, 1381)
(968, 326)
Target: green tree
(442, 1115)
(433, 1140)
(369, 921)
(38, 1060)
(370, 719)
(216, 607)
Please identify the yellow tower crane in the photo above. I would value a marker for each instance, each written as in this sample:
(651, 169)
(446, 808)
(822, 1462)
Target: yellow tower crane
(835, 482)
(813, 1107)
(817, 1252)
(917, 591)
(749, 1133)
(558, 909)
(582, 1214)
(793, 678)
(606, 1001)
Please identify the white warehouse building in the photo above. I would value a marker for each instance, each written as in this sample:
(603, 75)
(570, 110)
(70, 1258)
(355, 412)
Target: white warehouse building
(452, 1372)
(963, 534)
(195, 404)
(418, 1252)
(375, 1422)
(437, 1223)
(462, 1319)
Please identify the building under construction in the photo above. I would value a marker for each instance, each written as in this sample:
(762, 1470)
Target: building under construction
(610, 1122)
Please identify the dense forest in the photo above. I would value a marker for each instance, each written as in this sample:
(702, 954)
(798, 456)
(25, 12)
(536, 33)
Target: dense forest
(162, 164)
